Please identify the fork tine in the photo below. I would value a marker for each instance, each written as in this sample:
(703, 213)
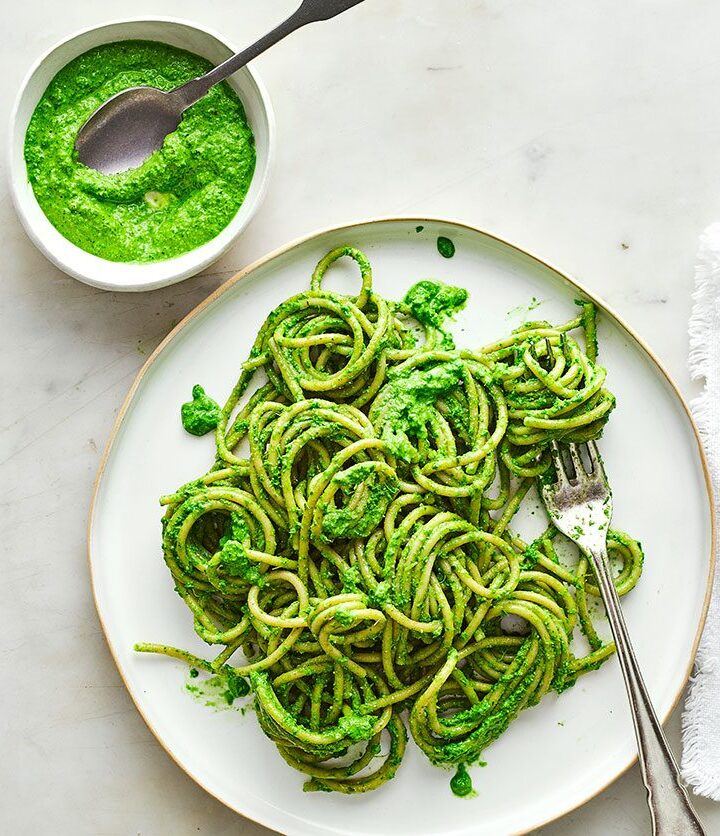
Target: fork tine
(578, 466)
(596, 461)
(557, 458)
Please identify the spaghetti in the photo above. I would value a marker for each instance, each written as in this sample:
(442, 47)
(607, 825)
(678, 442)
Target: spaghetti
(353, 538)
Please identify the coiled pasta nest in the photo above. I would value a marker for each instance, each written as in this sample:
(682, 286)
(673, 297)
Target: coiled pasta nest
(351, 549)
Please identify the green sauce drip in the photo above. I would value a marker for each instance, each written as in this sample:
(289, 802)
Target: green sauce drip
(181, 197)
(461, 783)
(200, 415)
(445, 246)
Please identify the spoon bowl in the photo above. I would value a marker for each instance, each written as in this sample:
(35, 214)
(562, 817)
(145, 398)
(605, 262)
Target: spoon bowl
(127, 129)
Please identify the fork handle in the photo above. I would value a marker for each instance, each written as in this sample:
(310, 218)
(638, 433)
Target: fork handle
(670, 808)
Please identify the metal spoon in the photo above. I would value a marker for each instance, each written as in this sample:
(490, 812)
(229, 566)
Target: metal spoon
(124, 131)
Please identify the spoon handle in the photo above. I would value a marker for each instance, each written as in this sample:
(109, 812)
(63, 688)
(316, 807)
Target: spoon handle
(310, 11)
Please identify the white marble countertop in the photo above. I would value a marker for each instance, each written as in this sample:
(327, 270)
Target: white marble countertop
(586, 132)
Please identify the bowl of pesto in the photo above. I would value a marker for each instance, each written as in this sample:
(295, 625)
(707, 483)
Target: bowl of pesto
(185, 205)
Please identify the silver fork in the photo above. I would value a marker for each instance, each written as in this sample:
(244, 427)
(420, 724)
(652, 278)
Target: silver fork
(580, 506)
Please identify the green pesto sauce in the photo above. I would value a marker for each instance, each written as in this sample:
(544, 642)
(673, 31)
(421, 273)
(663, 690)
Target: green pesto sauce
(351, 579)
(179, 198)
(431, 303)
(219, 691)
(357, 727)
(461, 783)
(235, 562)
(344, 618)
(381, 595)
(445, 246)
(361, 521)
(237, 686)
(200, 415)
(410, 400)
(237, 529)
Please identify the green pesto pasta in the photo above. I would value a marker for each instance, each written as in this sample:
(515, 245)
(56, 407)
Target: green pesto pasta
(351, 550)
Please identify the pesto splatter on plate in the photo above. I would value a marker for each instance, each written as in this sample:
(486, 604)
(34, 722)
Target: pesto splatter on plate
(446, 247)
(200, 415)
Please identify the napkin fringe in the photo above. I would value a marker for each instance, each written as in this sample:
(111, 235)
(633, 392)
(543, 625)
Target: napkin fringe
(704, 318)
(700, 728)
(700, 705)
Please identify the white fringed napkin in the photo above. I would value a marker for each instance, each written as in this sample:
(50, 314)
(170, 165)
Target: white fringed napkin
(701, 718)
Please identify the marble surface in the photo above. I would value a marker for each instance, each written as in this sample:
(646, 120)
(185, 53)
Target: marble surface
(587, 132)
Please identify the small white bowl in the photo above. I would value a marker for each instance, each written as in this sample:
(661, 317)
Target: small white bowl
(113, 275)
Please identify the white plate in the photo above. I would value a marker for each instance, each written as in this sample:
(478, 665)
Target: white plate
(555, 756)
